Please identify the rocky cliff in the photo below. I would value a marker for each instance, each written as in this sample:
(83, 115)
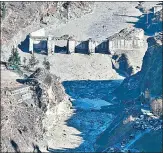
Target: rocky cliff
(49, 89)
(27, 122)
(150, 75)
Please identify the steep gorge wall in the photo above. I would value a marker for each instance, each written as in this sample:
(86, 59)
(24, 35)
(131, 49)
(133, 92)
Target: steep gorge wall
(150, 75)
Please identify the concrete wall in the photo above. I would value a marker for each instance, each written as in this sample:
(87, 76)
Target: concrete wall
(126, 44)
(89, 46)
(138, 43)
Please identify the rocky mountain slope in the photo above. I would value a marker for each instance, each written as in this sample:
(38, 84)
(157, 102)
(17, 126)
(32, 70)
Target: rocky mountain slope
(21, 18)
(150, 75)
(27, 122)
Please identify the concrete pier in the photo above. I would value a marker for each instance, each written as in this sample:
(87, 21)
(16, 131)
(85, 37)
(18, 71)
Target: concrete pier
(50, 45)
(31, 45)
(126, 39)
(91, 46)
(71, 44)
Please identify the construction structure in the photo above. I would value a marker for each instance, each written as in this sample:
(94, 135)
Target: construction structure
(87, 46)
(91, 45)
(71, 43)
(127, 39)
(39, 42)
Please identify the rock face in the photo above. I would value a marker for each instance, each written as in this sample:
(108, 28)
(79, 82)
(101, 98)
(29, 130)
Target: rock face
(77, 9)
(150, 75)
(122, 64)
(26, 123)
(48, 88)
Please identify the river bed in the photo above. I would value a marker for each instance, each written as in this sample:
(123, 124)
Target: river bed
(94, 104)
